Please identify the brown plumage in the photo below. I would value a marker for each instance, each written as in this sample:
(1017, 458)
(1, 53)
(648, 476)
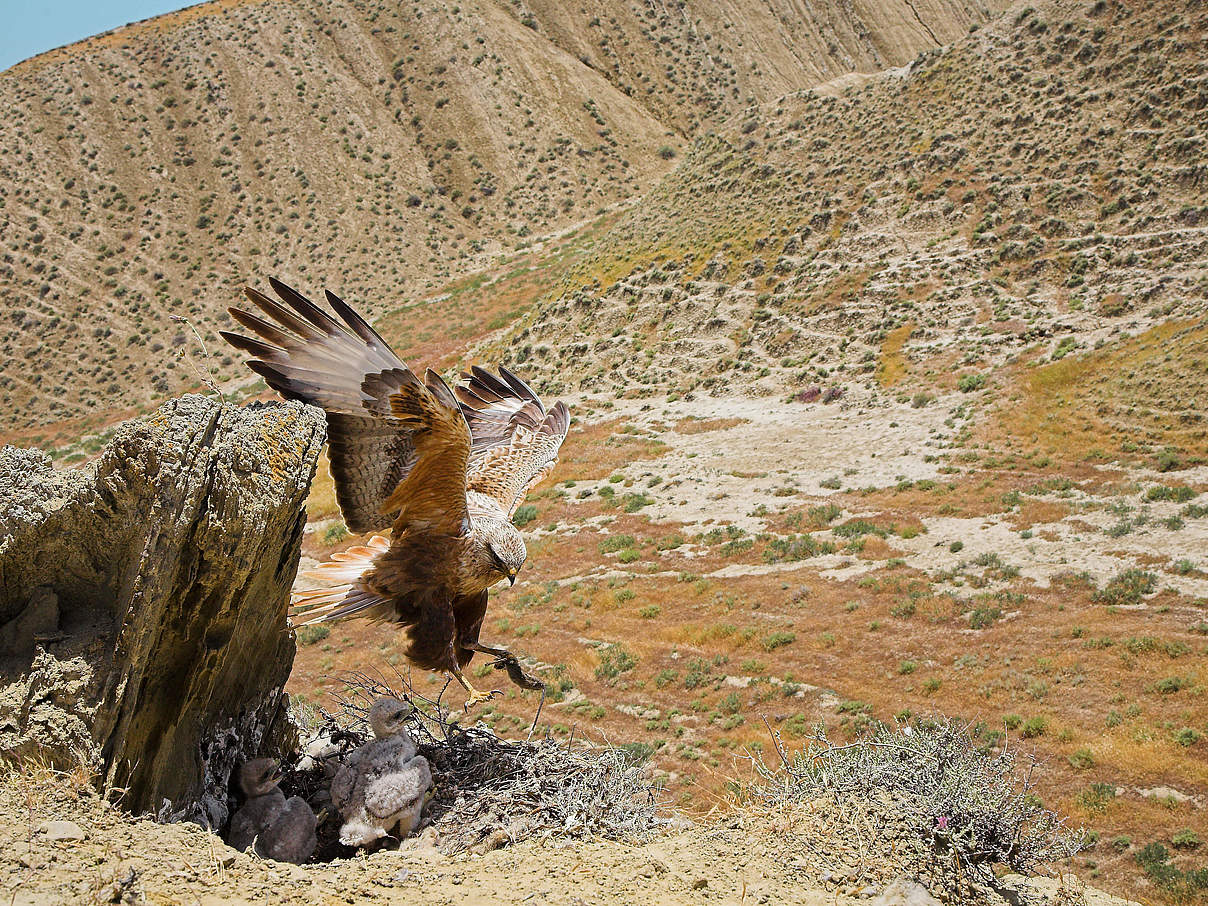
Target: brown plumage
(443, 468)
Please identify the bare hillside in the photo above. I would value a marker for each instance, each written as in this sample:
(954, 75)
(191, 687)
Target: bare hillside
(378, 149)
(1035, 188)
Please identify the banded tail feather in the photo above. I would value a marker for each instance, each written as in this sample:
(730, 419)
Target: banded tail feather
(341, 593)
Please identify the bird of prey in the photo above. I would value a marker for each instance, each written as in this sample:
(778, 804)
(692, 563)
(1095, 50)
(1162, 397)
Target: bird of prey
(382, 787)
(280, 829)
(444, 468)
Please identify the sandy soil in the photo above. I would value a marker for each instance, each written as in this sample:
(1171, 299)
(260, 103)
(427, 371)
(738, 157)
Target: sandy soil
(104, 856)
(778, 455)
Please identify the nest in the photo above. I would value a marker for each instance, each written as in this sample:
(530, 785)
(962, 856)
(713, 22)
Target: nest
(489, 791)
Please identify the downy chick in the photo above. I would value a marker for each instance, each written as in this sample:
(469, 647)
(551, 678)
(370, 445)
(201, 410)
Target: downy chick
(380, 790)
(281, 829)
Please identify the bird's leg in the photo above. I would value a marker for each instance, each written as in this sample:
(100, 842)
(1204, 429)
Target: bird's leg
(505, 660)
(476, 697)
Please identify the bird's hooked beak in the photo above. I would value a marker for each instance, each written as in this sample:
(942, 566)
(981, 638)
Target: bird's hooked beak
(511, 577)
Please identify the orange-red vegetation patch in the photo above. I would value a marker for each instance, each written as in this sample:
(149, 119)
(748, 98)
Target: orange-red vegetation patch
(593, 451)
(1033, 511)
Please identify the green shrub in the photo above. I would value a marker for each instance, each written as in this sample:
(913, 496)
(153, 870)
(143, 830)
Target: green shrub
(1182, 885)
(778, 640)
(1034, 726)
(1187, 737)
(524, 515)
(334, 534)
(665, 678)
(1127, 588)
(1185, 839)
(614, 661)
(308, 635)
(1177, 493)
(637, 753)
(1172, 684)
(1168, 460)
(984, 616)
(1096, 797)
(795, 547)
(614, 543)
(631, 503)
(1082, 759)
(824, 515)
(970, 382)
(858, 527)
(737, 546)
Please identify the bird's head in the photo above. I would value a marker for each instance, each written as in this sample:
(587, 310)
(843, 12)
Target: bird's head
(388, 717)
(259, 776)
(505, 547)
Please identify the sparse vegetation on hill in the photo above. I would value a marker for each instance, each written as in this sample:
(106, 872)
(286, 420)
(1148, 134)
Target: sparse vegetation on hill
(889, 391)
(383, 150)
(1030, 193)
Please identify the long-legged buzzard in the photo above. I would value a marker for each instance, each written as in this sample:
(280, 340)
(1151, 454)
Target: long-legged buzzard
(443, 468)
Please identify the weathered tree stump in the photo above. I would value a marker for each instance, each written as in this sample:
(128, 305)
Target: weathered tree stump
(143, 599)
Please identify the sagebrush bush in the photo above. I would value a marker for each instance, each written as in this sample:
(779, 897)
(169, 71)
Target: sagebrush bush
(971, 802)
(524, 515)
(1127, 588)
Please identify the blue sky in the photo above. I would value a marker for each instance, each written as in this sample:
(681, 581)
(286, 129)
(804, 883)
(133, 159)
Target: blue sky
(32, 26)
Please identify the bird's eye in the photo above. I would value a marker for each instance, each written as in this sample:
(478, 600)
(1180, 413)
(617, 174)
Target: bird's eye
(399, 715)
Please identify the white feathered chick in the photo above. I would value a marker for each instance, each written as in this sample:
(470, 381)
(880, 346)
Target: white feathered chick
(380, 790)
(282, 829)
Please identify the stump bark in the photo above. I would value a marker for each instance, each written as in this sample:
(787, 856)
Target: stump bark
(143, 599)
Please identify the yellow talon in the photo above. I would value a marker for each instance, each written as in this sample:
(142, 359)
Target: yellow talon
(476, 697)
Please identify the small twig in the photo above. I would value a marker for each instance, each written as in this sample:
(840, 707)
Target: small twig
(208, 377)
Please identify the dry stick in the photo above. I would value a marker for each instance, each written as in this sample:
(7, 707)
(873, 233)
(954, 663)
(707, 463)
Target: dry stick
(208, 377)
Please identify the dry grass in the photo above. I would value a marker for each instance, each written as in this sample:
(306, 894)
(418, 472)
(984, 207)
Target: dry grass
(703, 425)
(1137, 397)
(892, 367)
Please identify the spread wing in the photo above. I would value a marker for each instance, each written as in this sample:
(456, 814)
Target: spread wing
(387, 429)
(515, 440)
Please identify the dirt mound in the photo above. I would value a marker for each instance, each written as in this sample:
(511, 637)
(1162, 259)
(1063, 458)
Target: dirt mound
(59, 843)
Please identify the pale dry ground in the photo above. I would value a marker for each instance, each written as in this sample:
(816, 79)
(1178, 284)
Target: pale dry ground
(724, 475)
(134, 860)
